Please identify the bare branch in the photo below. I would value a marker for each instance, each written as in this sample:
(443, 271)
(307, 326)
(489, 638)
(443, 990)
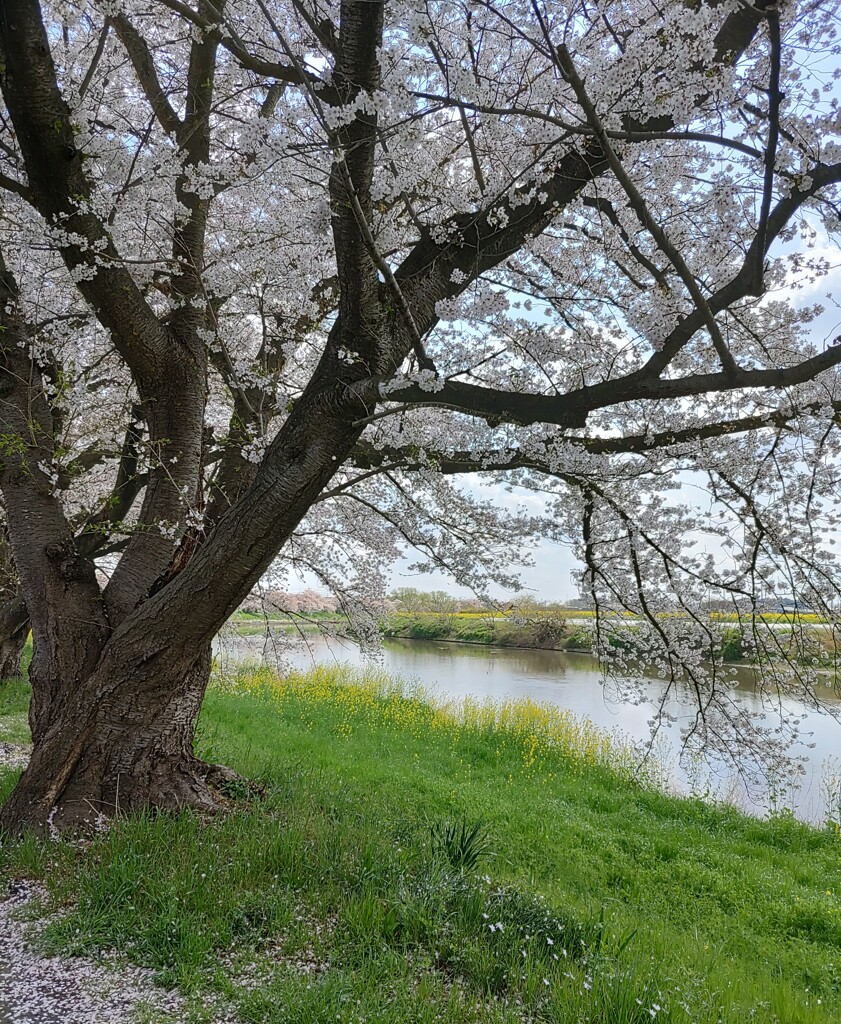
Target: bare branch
(572, 409)
(97, 57)
(774, 101)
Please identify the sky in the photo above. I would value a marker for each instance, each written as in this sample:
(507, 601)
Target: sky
(551, 577)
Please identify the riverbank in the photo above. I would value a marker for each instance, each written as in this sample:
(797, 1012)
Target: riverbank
(356, 888)
(812, 644)
(545, 633)
(799, 638)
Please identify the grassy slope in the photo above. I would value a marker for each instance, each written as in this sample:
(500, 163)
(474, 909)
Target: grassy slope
(548, 632)
(335, 900)
(14, 702)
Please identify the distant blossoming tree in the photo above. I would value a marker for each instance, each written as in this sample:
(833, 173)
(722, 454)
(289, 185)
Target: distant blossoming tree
(274, 275)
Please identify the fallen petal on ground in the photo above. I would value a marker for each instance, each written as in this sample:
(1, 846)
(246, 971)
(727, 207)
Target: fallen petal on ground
(40, 989)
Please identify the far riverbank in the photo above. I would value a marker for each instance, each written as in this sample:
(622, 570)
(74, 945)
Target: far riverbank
(798, 638)
(774, 638)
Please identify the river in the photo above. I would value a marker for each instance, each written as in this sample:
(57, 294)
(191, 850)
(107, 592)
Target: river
(575, 682)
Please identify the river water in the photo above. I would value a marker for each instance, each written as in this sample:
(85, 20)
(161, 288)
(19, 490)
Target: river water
(575, 682)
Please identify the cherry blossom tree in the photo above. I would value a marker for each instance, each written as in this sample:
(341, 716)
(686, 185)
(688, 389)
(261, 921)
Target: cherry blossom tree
(274, 276)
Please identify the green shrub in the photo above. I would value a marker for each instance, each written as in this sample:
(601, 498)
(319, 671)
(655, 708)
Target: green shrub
(476, 631)
(579, 640)
(430, 629)
(733, 644)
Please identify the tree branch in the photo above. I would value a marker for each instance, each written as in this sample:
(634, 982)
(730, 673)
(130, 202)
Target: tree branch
(366, 455)
(774, 101)
(127, 485)
(97, 57)
(219, 31)
(477, 242)
(144, 67)
(61, 190)
(54, 576)
(19, 189)
(640, 207)
(572, 409)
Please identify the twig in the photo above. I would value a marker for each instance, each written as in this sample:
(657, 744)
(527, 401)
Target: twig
(774, 100)
(641, 209)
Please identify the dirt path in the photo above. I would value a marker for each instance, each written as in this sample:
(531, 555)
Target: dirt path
(37, 989)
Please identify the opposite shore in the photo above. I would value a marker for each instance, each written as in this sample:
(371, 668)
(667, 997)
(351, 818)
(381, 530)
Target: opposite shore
(801, 640)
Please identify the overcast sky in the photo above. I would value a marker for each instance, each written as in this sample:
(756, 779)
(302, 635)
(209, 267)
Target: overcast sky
(550, 578)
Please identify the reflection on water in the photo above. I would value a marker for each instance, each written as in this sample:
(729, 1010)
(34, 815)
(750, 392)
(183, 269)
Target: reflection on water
(573, 682)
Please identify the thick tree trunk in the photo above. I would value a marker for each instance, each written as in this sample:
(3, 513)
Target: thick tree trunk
(133, 749)
(14, 629)
(119, 675)
(14, 617)
(114, 709)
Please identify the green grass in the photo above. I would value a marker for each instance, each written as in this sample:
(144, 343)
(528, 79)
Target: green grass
(805, 643)
(541, 632)
(14, 706)
(394, 837)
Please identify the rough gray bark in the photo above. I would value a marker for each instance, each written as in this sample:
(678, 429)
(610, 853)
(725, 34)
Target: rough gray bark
(121, 747)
